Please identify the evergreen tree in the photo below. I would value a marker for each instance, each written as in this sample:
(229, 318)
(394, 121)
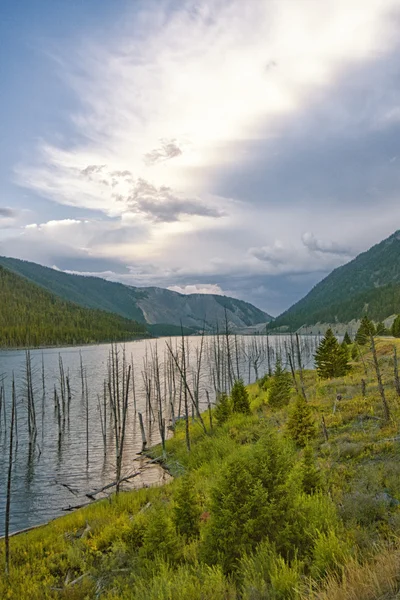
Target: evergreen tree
(240, 398)
(222, 409)
(279, 393)
(381, 329)
(347, 339)
(331, 358)
(311, 480)
(250, 502)
(366, 329)
(301, 425)
(396, 327)
(186, 511)
(354, 352)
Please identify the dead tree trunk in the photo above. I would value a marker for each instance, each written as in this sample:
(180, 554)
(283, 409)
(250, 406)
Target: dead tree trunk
(9, 476)
(386, 411)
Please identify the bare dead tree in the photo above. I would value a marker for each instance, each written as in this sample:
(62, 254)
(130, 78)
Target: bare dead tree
(396, 371)
(9, 477)
(300, 366)
(386, 411)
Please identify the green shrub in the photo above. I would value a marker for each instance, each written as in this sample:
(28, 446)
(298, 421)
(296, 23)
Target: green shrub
(222, 409)
(301, 424)
(240, 398)
(330, 554)
(160, 539)
(249, 503)
(186, 510)
(279, 392)
(311, 479)
(267, 576)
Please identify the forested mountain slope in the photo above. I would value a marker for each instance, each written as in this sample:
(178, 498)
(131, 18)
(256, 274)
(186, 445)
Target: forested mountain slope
(150, 305)
(368, 284)
(32, 316)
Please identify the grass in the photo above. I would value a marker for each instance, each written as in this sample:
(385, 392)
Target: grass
(344, 540)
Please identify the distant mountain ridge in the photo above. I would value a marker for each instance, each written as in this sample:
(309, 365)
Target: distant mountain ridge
(151, 305)
(369, 284)
(33, 316)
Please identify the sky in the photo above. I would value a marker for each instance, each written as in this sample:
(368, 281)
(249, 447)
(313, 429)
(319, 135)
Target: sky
(214, 146)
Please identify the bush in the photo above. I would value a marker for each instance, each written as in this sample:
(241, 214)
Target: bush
(223, 409)
(240, 398)
(186, 511)
(301, 424)
(249, 503)
(160, 539)
(311, 480)
(279, 393)
(266, 575)
(330, 554)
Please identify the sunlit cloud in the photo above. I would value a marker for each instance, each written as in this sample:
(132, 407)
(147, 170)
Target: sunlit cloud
(197, 153)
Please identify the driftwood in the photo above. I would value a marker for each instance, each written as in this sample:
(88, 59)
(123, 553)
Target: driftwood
(127, 478)
(69, 488)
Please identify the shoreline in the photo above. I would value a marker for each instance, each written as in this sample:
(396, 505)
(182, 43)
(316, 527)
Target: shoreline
(154, 463)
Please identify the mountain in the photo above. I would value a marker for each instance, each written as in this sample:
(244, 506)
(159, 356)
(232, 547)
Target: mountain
(153, 306)
(32, 316)
(369, 284)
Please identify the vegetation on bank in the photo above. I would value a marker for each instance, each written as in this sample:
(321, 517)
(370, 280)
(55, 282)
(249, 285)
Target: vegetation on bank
(295, 499)
(31, 316)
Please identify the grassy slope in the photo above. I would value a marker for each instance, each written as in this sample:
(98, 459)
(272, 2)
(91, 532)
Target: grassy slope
(354, 556)
(32, 316)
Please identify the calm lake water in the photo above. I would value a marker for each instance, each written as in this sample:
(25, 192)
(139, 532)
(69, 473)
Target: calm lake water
(54, 473)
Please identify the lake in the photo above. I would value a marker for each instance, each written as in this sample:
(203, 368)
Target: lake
(69, 459)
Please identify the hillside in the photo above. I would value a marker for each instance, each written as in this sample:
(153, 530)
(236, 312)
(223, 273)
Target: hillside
(370, 284)
(149, 305)
(32, 316)
(250, 515)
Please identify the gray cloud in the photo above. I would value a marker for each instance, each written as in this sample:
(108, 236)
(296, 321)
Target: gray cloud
(168, 149)
(160, 204)
(92, 169)
(325, 247)
(8, 213)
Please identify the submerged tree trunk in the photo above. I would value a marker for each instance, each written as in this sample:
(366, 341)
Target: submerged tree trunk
(8, 499)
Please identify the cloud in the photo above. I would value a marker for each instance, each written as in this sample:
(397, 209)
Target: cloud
(169, 149)
(7, 212)
(197, 288)
(326, 247)
(268, 114)
(162, 205)
(159, 78)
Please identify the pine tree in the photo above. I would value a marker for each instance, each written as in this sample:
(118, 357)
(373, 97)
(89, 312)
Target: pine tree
(222, 409)
(240, 398)
(396, 327)
(366, 329)
(381, 329)
(331, 358)
(311, 480)
(186, 511)
(301, 424)
(347, 339)
(279, 393)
